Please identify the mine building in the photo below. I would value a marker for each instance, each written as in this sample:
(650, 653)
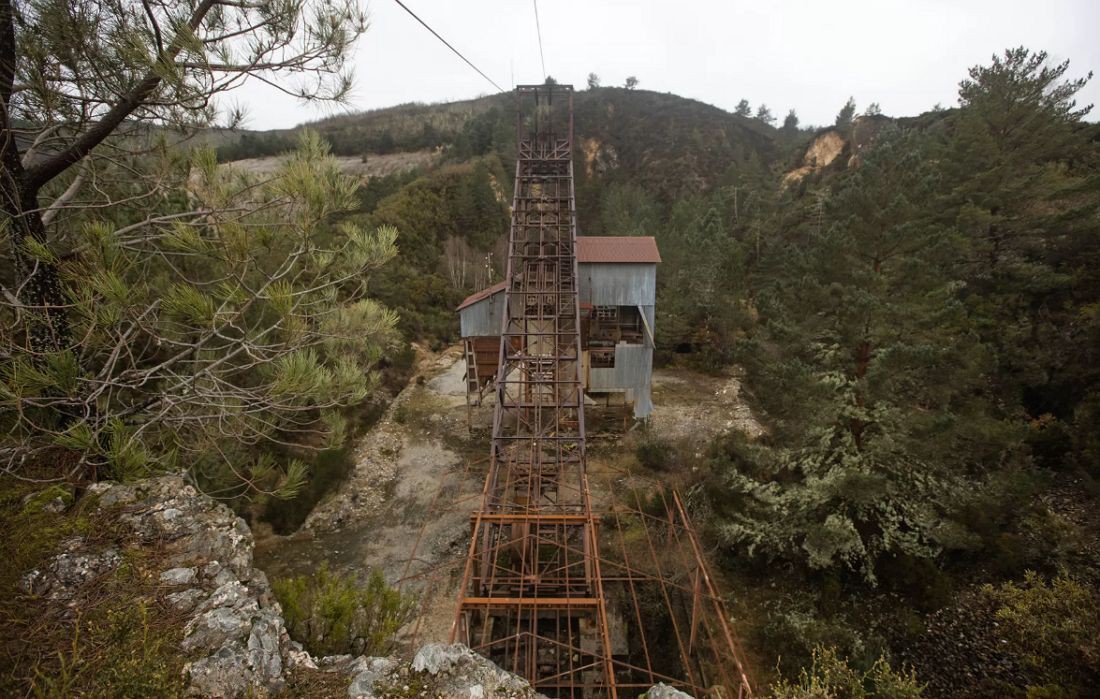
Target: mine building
(617, 290)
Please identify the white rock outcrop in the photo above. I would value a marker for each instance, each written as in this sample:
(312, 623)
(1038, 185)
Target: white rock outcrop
(234, 636)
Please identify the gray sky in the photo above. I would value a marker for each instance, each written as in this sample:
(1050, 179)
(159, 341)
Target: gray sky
(802, 54)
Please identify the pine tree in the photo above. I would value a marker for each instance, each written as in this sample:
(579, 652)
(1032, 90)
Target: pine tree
(765, 115)
(593, 81)
(847, 113)
(164, 66)
(743, 109)
(1024, 195)
(790, 122)
(870, 380)
(706, 271)
(207, 337)
(627, 210)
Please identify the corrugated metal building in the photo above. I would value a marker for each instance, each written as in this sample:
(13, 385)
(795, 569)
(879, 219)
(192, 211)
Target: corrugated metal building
(618, 290)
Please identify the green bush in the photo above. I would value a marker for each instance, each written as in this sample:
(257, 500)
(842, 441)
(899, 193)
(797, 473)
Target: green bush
(1054, 630)
(331, 614)
(655, 453)
(831, 677)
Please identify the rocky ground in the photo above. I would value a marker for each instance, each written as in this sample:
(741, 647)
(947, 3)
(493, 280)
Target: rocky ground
(233, 633)
(687, 404)
(424, 440)
(417, 453)
(374, 517)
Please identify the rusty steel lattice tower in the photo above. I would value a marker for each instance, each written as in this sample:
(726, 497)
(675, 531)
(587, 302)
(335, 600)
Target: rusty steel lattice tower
(532, 596)
(586, 587)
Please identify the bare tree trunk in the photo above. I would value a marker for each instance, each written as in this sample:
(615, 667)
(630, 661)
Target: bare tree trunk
(39, 289)
(39, 285)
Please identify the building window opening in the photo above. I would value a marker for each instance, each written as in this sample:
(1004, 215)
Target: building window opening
(614, 324)
(603, 359)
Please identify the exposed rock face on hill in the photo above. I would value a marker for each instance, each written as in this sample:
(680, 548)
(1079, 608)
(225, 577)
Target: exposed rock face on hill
(829, 144)
(598, 158)
(820, 153)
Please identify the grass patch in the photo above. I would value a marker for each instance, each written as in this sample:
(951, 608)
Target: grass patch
(120, 640)
(331, 614)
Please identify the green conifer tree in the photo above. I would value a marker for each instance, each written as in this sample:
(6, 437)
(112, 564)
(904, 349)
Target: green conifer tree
(871, 381)
(210, 333)
(1023, 190)
(847, 113)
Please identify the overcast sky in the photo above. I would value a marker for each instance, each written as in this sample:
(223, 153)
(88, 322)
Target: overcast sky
(809, 55)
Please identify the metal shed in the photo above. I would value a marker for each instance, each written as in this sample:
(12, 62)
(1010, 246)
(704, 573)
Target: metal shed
(617, 292)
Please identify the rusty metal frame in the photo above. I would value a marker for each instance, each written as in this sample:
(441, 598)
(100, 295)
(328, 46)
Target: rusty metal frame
(547, 574)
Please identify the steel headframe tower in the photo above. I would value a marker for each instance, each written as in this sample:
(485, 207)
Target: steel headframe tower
(531, 596)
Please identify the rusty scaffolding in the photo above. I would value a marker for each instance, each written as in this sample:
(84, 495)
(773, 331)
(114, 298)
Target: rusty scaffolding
(586, 591)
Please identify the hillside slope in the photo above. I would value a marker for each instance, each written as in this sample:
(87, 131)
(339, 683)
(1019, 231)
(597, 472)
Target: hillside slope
(668, 144)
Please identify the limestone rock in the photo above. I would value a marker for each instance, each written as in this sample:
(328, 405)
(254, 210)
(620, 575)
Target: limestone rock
(234, 636)
(462, 674)
(362, 685)
(66, 573)
(663, 691)
(178, 576)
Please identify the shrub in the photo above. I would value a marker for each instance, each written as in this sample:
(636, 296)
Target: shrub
(831, 677)
(332, 614)
(1054, 629)
(655, 453)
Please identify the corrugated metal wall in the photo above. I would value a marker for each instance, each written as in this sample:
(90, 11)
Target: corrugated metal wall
(632, 370)
(483, 318)
(618, 284)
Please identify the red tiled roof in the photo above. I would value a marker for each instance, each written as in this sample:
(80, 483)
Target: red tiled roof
(640, 249)
(617, 248)
(483, 294)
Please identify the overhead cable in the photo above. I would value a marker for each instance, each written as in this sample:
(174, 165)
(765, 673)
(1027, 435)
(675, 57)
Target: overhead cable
(448, 45)
(538, 28)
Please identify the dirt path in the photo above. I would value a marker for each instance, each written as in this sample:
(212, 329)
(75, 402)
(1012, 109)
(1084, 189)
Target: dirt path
(375, 515)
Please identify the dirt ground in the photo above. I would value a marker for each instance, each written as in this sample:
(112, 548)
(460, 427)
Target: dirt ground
(416, 458)
(415, 455)
(689, 404)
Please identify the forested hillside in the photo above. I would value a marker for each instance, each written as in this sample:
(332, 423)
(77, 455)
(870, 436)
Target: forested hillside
(639, 155)
(915, 304)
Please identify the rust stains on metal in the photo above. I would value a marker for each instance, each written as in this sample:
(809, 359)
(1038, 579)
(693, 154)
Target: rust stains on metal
(583, 597)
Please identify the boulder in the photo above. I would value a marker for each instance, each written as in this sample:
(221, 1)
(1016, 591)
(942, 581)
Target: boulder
(663, 691)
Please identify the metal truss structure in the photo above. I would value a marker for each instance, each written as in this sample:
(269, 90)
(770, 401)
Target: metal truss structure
(585, 590)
